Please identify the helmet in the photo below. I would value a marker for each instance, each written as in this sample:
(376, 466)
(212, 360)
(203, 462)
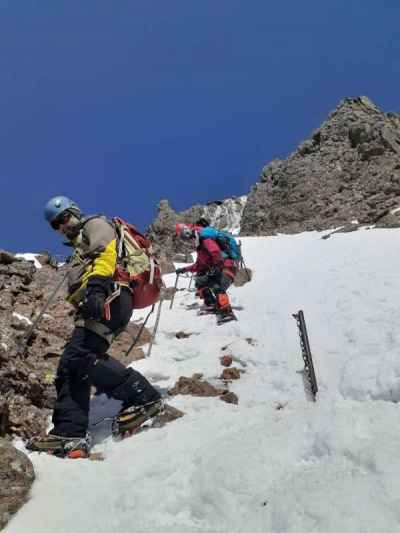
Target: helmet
(184, 231)
(57, 205)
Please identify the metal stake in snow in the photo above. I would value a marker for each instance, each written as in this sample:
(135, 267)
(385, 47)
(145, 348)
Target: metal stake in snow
(242, 263)
(153, 336)
(173, 294)
(306, 354)
(136, 339)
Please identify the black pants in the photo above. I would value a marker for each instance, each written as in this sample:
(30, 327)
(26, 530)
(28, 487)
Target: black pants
(212, 284)
(85, 362)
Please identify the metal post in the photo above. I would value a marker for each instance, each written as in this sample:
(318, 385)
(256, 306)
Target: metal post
(136, 339)
(173, 295)
(306, 353)
(153, 336)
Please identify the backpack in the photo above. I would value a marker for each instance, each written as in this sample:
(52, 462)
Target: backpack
(226, 241)
(136, 265)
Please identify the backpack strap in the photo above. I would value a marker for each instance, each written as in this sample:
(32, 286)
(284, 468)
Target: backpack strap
(152, 270)
(121, 235)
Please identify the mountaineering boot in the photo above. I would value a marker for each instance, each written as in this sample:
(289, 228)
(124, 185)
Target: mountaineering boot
(209, 297)
(129, 420)
(206, 310)
(60, 446)
(224, 310)
(225, 317)
(223, 303)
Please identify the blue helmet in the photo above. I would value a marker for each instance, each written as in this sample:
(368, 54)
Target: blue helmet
(57, 205)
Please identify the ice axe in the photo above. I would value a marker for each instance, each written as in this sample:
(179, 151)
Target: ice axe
(153, 336)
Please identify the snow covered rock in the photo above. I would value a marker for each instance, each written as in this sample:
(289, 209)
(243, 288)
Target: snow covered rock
(225, 215)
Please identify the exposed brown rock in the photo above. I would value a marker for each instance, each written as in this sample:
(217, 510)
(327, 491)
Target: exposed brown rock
(6, 258)
(194, 386)
(122, 344)
(183, 335)
(16, 475)
(230, 373)
(168, 415)
(229, 397)
(226, 360)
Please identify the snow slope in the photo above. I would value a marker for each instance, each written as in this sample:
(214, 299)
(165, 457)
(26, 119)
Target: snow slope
(277, 462)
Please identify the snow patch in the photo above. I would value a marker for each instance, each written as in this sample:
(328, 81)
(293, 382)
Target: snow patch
(30, 257)
(23, 318)
(276, 461)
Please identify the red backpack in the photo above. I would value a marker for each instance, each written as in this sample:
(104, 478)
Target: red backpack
(136, 265)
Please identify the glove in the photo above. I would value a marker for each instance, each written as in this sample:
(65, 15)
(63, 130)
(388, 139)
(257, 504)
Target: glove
(180, 271)
(92, 306)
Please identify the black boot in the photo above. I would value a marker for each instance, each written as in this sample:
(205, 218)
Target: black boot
(131, 419)
(135, 391)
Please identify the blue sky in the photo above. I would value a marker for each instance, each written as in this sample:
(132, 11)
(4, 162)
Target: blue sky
(119, 104)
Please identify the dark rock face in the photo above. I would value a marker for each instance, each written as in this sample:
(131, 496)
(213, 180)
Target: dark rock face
(17, 475)
(167, 246)
(348, 170)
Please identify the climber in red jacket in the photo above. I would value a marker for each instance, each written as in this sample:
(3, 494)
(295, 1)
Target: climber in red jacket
(214, 272)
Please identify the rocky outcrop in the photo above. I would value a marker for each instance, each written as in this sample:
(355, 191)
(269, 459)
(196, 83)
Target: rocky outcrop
(349, 170)
(16, 475)
(224, 215)
(167, 246)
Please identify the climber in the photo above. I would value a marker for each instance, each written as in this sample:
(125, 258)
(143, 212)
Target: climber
(103, 309)
(214, 271)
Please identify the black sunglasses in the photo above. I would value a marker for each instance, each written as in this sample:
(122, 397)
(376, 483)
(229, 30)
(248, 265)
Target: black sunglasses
(60, 220)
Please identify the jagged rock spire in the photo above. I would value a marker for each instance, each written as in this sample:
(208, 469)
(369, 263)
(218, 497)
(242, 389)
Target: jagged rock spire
(349, 169)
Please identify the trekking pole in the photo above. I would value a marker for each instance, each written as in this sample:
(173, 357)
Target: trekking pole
(173, 294)
(190, 282)
(136, 339)
(45, 307)
(86, 257)
(155, 326)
